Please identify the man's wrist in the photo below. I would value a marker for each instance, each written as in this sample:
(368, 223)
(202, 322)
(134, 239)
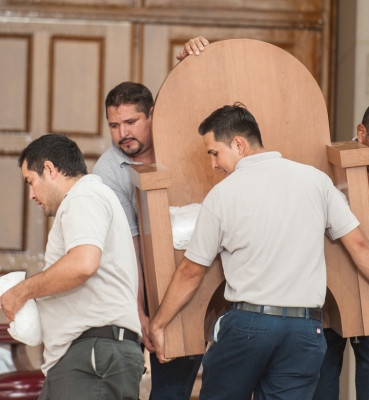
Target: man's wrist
(156, 326)
(20, 292)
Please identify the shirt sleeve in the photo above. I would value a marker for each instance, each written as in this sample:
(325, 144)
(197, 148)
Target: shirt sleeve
(340, 219)
(85, 220)
(205, 242)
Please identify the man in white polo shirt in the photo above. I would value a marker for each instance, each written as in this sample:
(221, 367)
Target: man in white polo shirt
(87, 292)
(267, 220)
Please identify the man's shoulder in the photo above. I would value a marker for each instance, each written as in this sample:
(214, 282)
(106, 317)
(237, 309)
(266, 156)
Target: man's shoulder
(91, 188)
(110, 168)
(105, 162)
(304, 168)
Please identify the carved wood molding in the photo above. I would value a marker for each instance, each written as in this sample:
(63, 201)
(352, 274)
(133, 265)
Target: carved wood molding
(232, 17)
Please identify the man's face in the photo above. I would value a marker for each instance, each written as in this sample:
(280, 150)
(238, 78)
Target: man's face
(42, 190)
(223, 157)
(130, 129)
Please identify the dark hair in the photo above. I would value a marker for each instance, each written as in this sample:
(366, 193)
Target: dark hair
(365, 121)
(130, 93)
(61, 151)
(230, 121)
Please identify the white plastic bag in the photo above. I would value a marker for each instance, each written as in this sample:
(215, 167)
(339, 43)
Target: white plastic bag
(26, 326)
(183, 221)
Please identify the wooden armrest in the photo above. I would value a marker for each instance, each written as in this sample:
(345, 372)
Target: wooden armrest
(348, 154)
(150, 177)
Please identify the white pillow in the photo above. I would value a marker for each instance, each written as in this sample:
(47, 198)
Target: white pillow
(26, 326)
(183, 220)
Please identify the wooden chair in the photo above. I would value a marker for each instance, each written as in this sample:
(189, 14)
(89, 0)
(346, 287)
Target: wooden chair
(291, 112)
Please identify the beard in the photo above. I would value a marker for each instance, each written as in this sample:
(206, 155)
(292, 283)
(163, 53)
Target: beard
(52, 202)
(134, 148)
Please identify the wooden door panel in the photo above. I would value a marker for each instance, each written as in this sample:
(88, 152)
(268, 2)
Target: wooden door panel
(12, 206)
(15, 93)
(76, 74)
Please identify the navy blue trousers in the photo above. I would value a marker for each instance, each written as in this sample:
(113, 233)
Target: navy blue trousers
(174, 380)
(275, 357)
(328, 385)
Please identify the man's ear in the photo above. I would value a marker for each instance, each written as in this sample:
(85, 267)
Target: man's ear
(49, 169)
(241, 144)
(151, 111)
(361, 133)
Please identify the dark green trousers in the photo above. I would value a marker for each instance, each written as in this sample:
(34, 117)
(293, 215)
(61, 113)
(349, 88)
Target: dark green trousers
(96, 369)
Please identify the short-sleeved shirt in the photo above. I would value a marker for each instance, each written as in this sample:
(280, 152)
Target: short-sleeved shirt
(90, 214)
(113, 169)
(267, 220)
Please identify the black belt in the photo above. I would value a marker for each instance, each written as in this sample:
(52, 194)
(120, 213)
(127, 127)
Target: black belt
(110, 332)
(291, 312)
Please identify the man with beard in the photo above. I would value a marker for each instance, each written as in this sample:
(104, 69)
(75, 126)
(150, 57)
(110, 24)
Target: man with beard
(129, 109)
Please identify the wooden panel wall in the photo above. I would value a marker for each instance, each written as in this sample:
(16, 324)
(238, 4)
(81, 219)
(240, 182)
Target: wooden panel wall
(53, 78)
(306, 28)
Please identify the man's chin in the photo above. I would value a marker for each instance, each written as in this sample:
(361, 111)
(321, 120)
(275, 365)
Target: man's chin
(130, 151)
(48, 213)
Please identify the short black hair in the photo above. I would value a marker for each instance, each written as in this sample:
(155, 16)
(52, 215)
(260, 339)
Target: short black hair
(230, 121)
(130, 93)
(57, 148)
(365, 120)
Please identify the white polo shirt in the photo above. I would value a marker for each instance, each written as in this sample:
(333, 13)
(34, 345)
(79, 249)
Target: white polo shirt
(267, 220)
(90, 214)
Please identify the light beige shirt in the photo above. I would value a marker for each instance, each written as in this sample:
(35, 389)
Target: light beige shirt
(90, 214)
(267, 220)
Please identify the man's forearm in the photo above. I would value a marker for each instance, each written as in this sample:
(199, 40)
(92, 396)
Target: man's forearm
(71, 271)
(357, 245)
(182, 287)
(141, 285)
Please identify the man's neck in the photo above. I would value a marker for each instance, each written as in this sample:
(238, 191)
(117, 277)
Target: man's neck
(148, 157)
(68, 183)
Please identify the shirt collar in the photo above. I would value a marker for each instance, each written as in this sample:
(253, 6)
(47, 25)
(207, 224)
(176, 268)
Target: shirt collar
(88, 177)
(121, 157)
(255, 158)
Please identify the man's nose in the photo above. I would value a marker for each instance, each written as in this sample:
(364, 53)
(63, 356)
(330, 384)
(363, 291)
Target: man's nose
(31, 193)
(123, 131)
(214, 164)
